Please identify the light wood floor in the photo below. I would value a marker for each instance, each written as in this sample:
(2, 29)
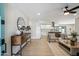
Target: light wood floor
(56, 50)
(37, 48)
(41, 47)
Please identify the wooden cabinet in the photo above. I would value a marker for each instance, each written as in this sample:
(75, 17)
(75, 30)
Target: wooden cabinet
(18, 42)
(16, 39)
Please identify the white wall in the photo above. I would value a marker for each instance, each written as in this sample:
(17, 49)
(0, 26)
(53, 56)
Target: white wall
(77, 26)
(11, 17)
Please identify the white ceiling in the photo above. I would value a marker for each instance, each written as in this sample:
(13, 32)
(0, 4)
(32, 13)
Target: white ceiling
(48, 11)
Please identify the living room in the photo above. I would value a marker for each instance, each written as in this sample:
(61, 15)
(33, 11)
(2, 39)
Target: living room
(39, 22)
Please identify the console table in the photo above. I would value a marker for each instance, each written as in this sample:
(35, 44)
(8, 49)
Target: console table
(72, 50)
(18, 42)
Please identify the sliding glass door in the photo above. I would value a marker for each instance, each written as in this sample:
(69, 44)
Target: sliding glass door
(2, 30)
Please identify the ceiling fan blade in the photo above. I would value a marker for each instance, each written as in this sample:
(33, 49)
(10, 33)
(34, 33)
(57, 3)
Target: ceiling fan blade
(72, 12)
(74, 8)
(66, 8)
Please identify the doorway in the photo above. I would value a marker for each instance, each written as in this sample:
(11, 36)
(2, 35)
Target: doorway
(45, 28)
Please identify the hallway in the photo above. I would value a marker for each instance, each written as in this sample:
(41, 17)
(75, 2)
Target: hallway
(37, 48)
(43, 48)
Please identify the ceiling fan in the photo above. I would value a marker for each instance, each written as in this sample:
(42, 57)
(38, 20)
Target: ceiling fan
(70, 11)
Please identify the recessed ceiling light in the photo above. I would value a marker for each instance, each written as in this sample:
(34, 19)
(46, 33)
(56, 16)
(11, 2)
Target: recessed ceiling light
(38, 13)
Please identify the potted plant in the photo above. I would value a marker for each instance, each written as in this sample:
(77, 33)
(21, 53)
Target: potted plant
(74, 38)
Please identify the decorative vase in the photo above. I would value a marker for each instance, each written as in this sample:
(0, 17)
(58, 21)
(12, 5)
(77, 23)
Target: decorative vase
(73, 41)
(18, 32)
